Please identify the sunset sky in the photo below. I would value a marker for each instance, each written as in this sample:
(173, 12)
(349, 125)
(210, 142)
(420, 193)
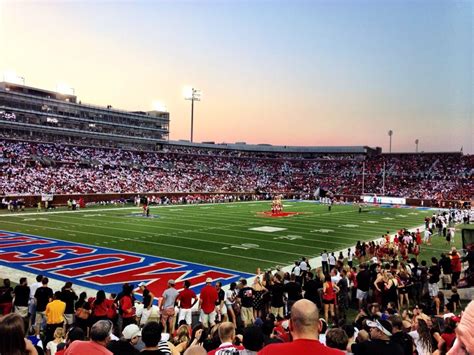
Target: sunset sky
(281, 72)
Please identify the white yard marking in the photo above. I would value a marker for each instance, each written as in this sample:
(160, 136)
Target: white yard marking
(322, 231)
(93, 215)
(371, 222)
(414, 213)
(175, 209)
(401, 216)
(267, 229)
(289, 237)
(244, 246)
(388, 218)
(349, 225)
(35, 219)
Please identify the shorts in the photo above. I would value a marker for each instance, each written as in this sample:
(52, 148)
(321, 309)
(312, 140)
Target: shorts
(246, 313)
(446, 279)
(22, 311)
(361, 295)
(433, 289)
(186, 314)
(40, 319)
(207, 319)
(69, 319)
(277, 311)
(329, 301)
(167, 314)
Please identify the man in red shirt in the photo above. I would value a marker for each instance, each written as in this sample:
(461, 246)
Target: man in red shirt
(187, 299)
(304, 328)
(207, 304)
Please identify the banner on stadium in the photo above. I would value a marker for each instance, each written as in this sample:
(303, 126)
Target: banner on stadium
(384, 199)
(47, 197)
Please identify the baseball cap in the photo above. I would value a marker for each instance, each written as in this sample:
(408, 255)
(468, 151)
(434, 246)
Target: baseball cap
(208, 280)
(141, 284)
(171, 282)
(131, 331)
(383, 326)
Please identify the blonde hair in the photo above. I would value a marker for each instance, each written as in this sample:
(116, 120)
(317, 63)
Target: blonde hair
(59, 333)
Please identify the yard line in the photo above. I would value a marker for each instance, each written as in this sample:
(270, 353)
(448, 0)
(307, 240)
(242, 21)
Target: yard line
(175, 236)
(155, 243)
(223, 227)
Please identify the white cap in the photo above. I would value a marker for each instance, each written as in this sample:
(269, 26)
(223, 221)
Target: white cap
(141, 284)
(131, 331)
(208, 280)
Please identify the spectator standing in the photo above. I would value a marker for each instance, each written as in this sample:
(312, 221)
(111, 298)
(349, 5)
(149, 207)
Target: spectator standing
(168, 301)
(54, 315)
(245, 299)
(363, 284)
(43, 296)
(127, 308)
(277, 302)
(207, 304)
(324, 261)
(186, 300)
(6, 297)
(68, 296)
(22, 297)
(456, 266)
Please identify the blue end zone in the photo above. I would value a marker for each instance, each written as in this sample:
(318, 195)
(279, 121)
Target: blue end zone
(104, 268)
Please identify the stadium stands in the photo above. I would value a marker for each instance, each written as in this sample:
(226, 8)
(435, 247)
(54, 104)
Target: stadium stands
(33, 168)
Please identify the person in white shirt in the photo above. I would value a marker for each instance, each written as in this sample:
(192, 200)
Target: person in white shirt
(32, 304)
(427, 237)
(324, 262)
(332, 261)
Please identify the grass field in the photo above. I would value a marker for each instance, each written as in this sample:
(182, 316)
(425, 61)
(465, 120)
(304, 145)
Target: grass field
(221, 234)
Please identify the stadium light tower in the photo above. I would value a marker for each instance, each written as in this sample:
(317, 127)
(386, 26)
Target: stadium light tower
(416, 143)
(10, 76)
(192, 94)
(390, 134)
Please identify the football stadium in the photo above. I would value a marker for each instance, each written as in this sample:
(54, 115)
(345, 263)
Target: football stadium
(118, 237)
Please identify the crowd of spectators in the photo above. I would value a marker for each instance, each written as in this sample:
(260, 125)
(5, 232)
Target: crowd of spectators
(405, 306)
(35, 168)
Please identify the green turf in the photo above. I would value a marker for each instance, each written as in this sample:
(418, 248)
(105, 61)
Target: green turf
(219, 235)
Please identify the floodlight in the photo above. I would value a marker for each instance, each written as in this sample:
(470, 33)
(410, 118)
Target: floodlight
(65, 89)
(159, 106)
(10, 76)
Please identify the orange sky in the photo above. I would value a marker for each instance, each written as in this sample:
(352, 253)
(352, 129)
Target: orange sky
(323, 76)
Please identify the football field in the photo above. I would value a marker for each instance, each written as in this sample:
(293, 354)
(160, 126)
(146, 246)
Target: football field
(236, 236)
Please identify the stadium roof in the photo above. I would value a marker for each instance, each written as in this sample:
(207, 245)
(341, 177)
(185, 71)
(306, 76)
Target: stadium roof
(277, 148)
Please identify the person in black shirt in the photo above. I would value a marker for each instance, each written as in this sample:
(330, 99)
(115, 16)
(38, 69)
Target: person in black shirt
(445, 265)
(311, 287)
(363, 284)
(43, 296)
(245, 298)
(293, 289)
(433, 273)
(277, 303)
(68, 296)
(399, 336)
(380, 342)
(22, 297)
